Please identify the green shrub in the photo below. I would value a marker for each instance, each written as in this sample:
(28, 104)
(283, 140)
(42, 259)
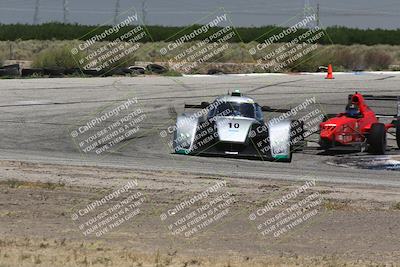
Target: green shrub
(56, 57)
(60, 31)
(172, 73)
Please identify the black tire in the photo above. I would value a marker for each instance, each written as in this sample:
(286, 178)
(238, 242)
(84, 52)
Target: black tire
(137, 69)
(398, 134)
(377, 139)
(215, 72)
(10, 70)
(92, 72)
(71, 71)
(325, 144)
(156, 68)
(120, 71)
(54, 72)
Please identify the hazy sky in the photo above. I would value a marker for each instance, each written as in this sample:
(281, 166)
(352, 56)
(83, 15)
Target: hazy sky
(352, 13)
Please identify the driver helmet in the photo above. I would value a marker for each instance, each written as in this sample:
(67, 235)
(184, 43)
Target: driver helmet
(352, 110)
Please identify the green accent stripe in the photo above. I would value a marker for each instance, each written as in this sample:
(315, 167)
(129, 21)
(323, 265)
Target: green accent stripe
(182, 151)
(281, 157)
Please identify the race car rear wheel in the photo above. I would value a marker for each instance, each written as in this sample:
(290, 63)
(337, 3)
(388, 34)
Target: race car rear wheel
(398, 134)
(377, 139)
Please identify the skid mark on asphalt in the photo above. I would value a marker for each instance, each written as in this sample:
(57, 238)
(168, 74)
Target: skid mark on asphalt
(271, 85)
(385, 78)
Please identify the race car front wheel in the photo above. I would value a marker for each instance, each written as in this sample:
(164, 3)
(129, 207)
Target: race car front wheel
(398, 134)
(377, 139)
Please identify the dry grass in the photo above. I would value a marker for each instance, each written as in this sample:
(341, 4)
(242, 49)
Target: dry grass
(396, 206)
(31, 185)
(332, 205)
(377, 57)
(31, 252)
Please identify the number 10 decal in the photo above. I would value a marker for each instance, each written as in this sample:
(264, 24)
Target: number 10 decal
(235, 125)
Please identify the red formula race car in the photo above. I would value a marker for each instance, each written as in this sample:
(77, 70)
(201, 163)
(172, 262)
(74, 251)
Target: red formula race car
(359, 126)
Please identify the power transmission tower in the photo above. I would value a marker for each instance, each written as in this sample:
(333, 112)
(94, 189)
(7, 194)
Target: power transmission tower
(116, 12)
(144, 11)
(65, 9)
(36, 14)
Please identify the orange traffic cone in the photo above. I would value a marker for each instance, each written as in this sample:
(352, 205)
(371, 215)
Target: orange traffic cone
(330, 72)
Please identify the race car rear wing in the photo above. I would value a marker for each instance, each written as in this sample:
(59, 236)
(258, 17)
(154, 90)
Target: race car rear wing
(384, 98)
(263, 108)
(269, 109)
(201, 106)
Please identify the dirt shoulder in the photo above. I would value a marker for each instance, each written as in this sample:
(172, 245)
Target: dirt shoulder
(144, 218)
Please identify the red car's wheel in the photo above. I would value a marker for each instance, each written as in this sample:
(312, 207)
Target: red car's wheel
(398, 135)
(377, 139)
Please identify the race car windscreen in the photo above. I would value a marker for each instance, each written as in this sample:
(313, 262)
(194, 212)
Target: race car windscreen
(234, 109)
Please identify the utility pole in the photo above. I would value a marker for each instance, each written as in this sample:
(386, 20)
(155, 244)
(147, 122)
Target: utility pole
(65, 9)
(144, 11)
(318, 14)
(116, 12)
(36, 14)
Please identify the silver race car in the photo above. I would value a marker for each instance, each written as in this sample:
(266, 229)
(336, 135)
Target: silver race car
(233, 125)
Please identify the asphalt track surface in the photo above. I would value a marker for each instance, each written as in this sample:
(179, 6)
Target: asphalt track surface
(37, 116)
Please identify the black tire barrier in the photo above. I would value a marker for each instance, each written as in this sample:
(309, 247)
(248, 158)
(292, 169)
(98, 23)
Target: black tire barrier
(215, 72)
(71, 71)
(94, 73)
(54, 72)
(156, 68)
(30, 72)
(3, 72)
(120, 71)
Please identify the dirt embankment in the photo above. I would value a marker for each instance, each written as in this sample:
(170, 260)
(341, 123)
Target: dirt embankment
(353, 225)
